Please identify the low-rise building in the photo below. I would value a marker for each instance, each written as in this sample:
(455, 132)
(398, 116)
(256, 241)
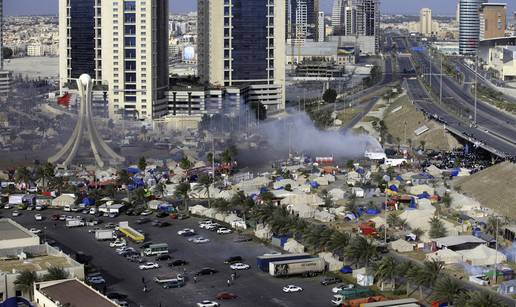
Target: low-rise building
(37, 259)
(447, 48)
(69, 292)
(502, 61)
(13, 235)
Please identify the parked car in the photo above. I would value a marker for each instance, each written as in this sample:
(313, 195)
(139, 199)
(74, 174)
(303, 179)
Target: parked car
(96, 280)
(199, 240)
(234, 259)
(242, 239)
(118, 243)
(225, 296)
(178, 262)
(146, 213)
(163, 257)
(173, 284)
(116, 296)
(186, 232)
(330, 281)
(207, 304)
(161, 214)
(16, 213)
(339, 288)
(206, 271)
(148, 266)
(240, 266)
(223, 231)
(292, 288)
(38, 217)
(35, 230)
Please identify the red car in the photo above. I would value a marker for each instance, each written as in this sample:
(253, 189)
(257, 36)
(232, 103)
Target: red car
(55, 217)
(225, 296)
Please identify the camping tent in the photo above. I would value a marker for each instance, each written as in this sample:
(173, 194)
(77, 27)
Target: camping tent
(445, 255)
(482, 255)
(292, 246)
(401, 246)
(304, 211)
(63, 200)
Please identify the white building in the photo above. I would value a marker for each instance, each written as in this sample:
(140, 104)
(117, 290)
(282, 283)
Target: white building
(502, 59)
(425, 21)
(14, 235)
(35, 49)
(123, 45)
(321, 28)
(243, 47)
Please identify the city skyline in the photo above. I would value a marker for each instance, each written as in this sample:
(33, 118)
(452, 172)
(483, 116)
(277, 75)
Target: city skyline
(439, 7)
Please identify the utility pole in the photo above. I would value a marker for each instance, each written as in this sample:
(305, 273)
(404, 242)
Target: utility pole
(476, 86)
(496, 253)
(441, 86)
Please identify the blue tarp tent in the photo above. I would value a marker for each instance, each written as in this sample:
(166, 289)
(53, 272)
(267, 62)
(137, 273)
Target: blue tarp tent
(426, 175)
(372, 211)
(279, 179)
(88, 201)
(165, 207)
(314, 184)
(133, 170)
(454, 172)
(399, 178)
(263, 190)
(424, 195)
(346, 269)
(412, 204)
(393, 187)
(360, 171)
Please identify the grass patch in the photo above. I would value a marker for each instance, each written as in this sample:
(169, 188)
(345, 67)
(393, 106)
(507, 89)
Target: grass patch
(347, 115)
(369, 119)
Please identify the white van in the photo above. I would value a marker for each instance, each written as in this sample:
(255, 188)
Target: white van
(93, 211)
(67, 208)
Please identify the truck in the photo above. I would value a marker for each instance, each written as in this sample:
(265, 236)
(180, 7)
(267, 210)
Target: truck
(74, 223)
(104, 234)
(130, 233)
(305, 267)
(16, 199)
(344, 295)
(263, 261)
(164, 279)
(156, 249)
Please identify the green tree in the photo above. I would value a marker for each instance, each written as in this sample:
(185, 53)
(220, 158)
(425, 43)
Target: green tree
(338, 242)
(494, 223)
(203, 185)
(437, 229)
(185, 163)
(22, 175)
(182, 192)
(221, 204)
(263, 213)
(422, 143)
(124, 179)
(139, 195)
(446, 290)
(427, 275)
(142, 163)
(418, 232)
(361, 251)
(45, 173)
(56, 273)
(7, 53)
(387, 270)
(479, 299)
(330, 96)
(160, 189)
(209, 157)
(327, 198)
(25, 282)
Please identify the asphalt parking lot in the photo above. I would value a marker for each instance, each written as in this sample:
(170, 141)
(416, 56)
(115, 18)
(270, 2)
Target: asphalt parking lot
(253, 287)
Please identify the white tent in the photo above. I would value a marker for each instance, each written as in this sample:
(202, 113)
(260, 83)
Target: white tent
(324, 216)
(304, 211)
(303, 199)
(284, 182)
(333, 262)
(263, 232)
(337, 194)
(198, 210)
(418, 189)
(401, 246)
(63, 200)
(292, 246)
(445, 255)
(482, 255)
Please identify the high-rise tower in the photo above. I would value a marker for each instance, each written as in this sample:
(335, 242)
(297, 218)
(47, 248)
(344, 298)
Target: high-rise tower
(425, 21)
(469, 26)
(5, 76)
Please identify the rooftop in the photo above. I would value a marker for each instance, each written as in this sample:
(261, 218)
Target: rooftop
(457, 240)
(39, 263)
(75, 293)
(11, 230)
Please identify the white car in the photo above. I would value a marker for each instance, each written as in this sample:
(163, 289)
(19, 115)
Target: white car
(35, 230)
(480, 279)
(272, 254)
(148, 266)
(207, 304)
(240, 266)
(292, 288)
(185, 231)
(16, 213)
(342, 287)
(223, 231)
(146, 212)
(200, 240)
(207, 225)
(118, 243)
(38, 217)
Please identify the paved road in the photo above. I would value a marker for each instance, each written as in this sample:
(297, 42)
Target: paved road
(495, 129)
(253, 287)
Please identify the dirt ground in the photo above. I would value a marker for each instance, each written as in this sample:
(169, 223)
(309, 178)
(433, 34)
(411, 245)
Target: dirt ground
(493, 187)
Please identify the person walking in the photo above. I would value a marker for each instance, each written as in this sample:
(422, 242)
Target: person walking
(229, 282)
(195, 279)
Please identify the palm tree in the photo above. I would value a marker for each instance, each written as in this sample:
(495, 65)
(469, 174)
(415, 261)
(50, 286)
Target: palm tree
(418, 232)
(185, 163)
(437, 229)
(387, 270)
(263, 213)
(339, 241)
(426, 275)
(204, 182)
(124, 179)
(327, 198)
(139, 195)
(56, 273)
(361, 250)
(352, 206)
(22, 175)
(478, 299)
(160, 189)
(25, 282)
(142, 164)
(221, 204)
(446, 290)
(393, 219)
(182, 191)
(494, 223)
(44, 173)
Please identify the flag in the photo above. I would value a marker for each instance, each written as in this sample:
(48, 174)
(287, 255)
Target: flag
(64, 100)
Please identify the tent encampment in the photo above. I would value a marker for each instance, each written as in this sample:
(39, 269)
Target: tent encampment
(482, 255)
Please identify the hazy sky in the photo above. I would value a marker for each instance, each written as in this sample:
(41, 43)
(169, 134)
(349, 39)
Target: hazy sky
(439, 7)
